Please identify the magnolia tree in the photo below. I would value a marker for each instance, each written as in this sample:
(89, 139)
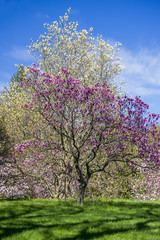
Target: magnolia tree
(64, 46)
(90, 130)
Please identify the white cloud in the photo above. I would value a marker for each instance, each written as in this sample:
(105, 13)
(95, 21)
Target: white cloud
(142, 71)
(21, 53)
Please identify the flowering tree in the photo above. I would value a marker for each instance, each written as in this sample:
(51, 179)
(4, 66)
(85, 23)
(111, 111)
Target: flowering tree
(64, 46)
(89, 130)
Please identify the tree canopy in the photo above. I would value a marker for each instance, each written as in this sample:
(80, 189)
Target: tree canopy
(87, 59)
(90, 128)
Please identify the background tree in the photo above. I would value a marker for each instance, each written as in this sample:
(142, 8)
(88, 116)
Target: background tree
(89, 60)
(18, 76)
(20, 125)
(90, 129)
(18, 128)
(5, 143)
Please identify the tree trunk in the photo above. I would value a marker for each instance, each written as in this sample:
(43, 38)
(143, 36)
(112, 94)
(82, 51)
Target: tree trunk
(82, 190)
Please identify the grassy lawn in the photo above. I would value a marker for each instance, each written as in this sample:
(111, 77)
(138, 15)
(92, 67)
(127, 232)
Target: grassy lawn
(59, 219)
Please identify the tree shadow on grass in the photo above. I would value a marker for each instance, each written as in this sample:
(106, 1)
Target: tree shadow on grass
(91, 221)
(19, 216)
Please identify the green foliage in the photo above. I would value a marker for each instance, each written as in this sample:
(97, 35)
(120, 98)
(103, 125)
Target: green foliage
(16, 119)
(19, 75)
(116, 182)
(5, 143)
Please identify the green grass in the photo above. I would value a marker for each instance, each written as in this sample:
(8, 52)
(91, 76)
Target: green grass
(59, 219)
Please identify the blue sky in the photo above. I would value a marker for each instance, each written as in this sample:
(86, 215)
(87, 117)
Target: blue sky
(134, 23)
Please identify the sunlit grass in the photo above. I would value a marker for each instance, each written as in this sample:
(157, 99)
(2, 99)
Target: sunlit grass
(59, 219)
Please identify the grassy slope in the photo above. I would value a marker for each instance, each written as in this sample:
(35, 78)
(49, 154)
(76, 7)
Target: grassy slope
(58, 219)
